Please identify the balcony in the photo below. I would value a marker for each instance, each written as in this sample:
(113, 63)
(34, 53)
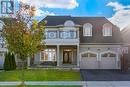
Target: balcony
(62, 38)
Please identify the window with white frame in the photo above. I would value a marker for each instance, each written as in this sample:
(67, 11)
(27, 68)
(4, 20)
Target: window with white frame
(87, 29)
(69, 23)
(108, 54)
(48, 55)
(125, 50)
(51, 34)
(107, 29)
(89, 55)
(68, 34)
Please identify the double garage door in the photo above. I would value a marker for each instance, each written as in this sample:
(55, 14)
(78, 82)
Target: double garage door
(91, 60)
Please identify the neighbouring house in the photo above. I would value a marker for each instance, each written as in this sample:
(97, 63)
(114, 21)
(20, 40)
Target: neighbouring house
(126, 38)
(80, 42)
(2, 48)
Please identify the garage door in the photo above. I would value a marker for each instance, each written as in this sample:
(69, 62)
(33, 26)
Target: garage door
(1, 60)
(89, 60)
(108, 61)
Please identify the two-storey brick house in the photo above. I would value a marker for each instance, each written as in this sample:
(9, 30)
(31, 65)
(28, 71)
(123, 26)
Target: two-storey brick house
(82, 42)
(78, 42)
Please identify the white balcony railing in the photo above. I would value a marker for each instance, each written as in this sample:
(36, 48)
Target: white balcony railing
(62, 41)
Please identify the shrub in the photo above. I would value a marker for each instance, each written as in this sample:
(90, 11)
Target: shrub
(13, 62)
(9, 63)
(6, 62)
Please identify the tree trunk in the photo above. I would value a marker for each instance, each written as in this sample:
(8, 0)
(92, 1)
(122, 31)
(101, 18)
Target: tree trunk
(22, 73)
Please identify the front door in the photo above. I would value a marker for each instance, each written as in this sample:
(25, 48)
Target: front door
(67, 56)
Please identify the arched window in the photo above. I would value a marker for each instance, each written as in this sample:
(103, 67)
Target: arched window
(107, 29)
(87, 29)
(108, 55)
(89, 54)
(69, 23)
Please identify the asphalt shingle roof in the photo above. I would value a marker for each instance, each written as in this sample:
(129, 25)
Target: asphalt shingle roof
(97, 23)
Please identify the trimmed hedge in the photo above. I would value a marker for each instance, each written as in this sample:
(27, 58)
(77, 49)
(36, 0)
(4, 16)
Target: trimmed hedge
(9, 63)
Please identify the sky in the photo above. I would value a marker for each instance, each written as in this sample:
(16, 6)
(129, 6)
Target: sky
(117, 11)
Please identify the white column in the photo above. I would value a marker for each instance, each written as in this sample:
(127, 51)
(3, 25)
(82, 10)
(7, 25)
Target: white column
(28, 61)
(58, 58)
(117, 61)
(78, 57)
(99, 59)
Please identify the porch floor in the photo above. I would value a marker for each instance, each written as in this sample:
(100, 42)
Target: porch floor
(64, 66)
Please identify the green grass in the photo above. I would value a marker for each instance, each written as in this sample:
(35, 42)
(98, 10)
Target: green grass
(42, 86)
(41, 75)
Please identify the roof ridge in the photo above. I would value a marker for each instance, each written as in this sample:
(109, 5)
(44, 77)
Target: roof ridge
(75, 16)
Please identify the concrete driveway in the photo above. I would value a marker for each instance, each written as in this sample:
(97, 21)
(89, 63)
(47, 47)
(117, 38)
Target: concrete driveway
(105, 75)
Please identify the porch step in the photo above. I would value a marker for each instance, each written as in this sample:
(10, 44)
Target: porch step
(55, 67)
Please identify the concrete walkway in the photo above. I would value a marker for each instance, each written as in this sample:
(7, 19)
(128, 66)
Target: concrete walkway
(74, 83)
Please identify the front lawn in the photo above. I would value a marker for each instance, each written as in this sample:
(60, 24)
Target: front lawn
(42, 86)
(41, 75)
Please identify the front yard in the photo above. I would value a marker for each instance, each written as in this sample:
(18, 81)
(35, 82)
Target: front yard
(41, 75)
(41, 86)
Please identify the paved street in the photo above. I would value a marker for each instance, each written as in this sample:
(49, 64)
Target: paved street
(84, 83)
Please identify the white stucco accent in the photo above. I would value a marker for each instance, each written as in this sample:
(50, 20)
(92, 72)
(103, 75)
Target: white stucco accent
(62, 41)
(69, 23)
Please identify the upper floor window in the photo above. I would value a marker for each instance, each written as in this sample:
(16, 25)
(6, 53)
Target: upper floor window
(87, 29)
(69, 23)
(51, 34)
(107, 29)
(68, 34)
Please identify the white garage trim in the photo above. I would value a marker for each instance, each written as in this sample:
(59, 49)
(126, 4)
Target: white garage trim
(88, 61)
(117, 58)
(88, 52)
